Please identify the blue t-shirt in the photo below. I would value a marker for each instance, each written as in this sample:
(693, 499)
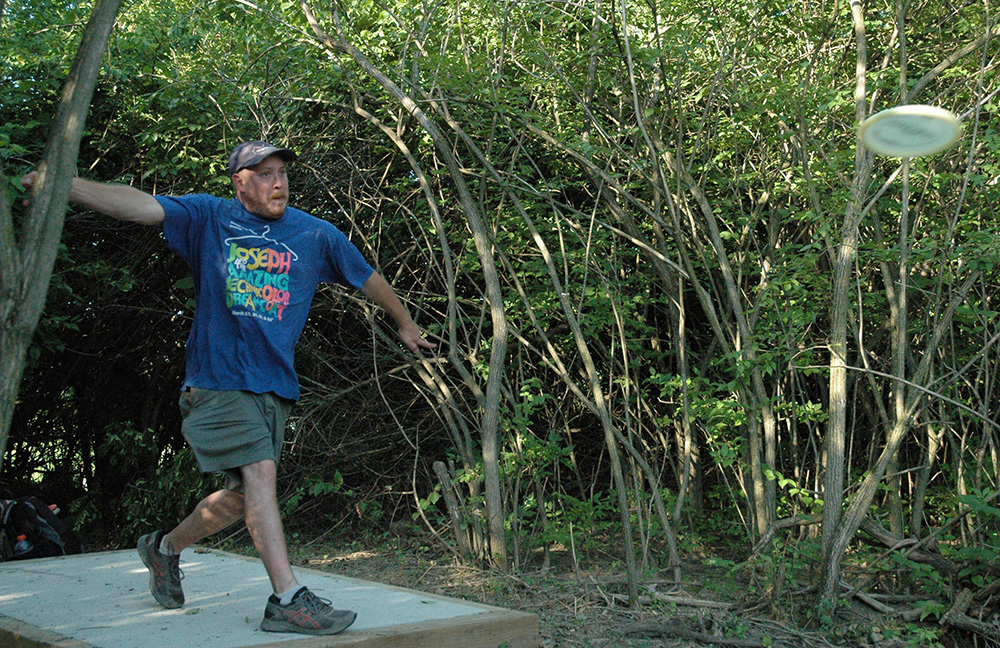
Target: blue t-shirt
(254, 280)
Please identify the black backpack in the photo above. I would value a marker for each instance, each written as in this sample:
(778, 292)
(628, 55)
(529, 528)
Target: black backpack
(45, 532)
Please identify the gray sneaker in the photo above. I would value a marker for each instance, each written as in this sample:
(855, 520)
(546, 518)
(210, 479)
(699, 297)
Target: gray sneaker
(306, 614)
(164, 571)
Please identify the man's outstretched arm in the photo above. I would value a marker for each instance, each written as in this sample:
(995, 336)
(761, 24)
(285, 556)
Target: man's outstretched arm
(377, 289)
(119, 201)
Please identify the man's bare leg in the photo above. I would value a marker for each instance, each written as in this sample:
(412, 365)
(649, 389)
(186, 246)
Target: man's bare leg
(303, 612)
(213, 514)
(263, 520)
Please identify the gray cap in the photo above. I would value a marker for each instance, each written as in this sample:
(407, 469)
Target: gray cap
(250, 154)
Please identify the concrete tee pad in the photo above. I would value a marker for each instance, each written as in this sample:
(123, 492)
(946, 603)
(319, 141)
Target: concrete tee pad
(102, 600)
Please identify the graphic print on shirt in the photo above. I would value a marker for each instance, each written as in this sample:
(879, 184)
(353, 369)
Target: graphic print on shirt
(257, 281)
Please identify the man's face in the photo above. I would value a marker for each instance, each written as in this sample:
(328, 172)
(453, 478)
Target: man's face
(263, 189)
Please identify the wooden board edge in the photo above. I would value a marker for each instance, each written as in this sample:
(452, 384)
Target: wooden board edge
(489, 630)
(15, 633)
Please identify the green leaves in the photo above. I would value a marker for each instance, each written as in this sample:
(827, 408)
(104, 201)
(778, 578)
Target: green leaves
(799, 495)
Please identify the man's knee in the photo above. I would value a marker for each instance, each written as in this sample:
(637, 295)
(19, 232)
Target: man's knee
(261, 472)
(228, 504)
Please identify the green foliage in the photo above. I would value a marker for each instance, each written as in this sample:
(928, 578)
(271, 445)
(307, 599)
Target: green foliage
(800, 496)
(581, 523)
(426, 504)
(979, 560)
(716, 408)
(312, 488)
(154, 500)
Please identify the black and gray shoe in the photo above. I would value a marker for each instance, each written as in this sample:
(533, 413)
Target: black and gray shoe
(164, 571)
(306, 614)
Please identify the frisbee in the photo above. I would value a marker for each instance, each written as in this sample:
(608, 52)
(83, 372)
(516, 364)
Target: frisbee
(910, 131)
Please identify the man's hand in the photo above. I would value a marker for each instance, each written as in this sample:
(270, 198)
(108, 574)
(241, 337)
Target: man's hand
(28, 181)
(412, 338)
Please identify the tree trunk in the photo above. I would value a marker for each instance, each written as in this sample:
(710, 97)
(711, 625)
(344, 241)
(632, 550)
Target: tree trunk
(933, 442)
(27, 264)
(900, 346)
(834, 455)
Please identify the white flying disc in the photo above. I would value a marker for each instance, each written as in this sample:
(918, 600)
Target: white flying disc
(910, 131)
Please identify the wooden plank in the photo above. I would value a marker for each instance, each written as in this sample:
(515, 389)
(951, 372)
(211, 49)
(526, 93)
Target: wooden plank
(18, 634)
(504, 629)
(495, 630)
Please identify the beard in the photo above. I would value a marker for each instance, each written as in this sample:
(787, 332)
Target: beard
(272, 207)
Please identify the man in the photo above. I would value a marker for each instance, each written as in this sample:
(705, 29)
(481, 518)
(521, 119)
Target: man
(256, 264)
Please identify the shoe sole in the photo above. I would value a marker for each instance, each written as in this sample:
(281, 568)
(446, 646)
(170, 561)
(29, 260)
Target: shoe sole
(147, 560)
(277, 625)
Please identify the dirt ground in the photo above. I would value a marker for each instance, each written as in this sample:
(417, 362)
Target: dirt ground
(585, 609)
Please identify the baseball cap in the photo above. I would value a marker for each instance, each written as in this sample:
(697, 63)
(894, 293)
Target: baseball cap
(250, 154)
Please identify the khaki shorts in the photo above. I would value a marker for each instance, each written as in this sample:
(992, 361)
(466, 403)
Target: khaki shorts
(231, 429)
